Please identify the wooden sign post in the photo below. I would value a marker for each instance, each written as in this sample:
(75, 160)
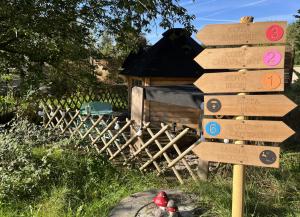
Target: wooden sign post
(250, 130)
(242, 58)
(249, 105)
(248, 81)
(243, 33)
(260, 70)
(239, 154)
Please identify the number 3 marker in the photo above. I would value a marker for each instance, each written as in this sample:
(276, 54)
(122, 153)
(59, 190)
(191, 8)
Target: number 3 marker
(274, 33)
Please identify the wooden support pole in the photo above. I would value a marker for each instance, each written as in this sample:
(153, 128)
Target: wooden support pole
(238, 182)
(137, 109)
(137, 105)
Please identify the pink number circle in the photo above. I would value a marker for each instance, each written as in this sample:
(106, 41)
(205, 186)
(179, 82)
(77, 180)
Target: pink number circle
(274, 33)
(272, 58)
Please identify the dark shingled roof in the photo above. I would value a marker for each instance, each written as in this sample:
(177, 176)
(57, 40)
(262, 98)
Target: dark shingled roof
(171, 56)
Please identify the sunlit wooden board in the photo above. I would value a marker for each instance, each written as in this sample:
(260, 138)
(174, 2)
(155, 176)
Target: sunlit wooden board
(264, 156)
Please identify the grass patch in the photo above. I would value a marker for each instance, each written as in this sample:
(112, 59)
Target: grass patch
(80, 185)
(269, 192)
(88, 185)
(43, 176)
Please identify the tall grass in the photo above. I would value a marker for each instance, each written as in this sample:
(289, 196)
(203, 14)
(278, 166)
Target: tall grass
(85, 184)
(80, 185)
(269, 192)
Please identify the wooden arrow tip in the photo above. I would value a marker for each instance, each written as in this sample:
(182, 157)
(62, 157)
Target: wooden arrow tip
(289, 105)
(200, 82)
(288, 131)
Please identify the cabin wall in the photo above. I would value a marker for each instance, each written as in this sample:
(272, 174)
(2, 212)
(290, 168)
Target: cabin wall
(163, 81)
(161, 112)
(155, 112)
(155, 81)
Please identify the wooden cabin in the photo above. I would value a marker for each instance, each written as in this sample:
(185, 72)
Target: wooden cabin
(169, 62)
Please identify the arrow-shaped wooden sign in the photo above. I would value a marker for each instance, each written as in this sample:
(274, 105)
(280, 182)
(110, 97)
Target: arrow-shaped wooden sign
(242, 58)
(264, 156)
(269, 131)
(242, 33)
(248, 105)
(235, 82)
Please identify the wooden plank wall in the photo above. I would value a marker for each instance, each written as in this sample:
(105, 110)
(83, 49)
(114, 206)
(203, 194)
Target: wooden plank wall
(161, 81)
(161, 112)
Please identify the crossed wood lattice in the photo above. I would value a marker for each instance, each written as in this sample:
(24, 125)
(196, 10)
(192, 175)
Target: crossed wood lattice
(123, 142)
(116, 95)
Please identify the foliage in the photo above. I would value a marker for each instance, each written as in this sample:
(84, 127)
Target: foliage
(293, 38)
(43, 175)
(114, 55)
(297, 39)
(21, 174)
(51, 41)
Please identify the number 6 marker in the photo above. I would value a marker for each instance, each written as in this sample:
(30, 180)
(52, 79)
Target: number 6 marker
(213, 128)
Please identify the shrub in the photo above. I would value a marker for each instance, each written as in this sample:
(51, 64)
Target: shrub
(21, 174)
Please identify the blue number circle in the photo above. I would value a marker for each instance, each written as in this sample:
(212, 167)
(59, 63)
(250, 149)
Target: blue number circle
(213, 128)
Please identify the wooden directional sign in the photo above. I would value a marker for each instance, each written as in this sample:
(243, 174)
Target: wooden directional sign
(241, 33)
(248, 105)
(242, 58)
(269, 131)
(264, 156)
(235, 82)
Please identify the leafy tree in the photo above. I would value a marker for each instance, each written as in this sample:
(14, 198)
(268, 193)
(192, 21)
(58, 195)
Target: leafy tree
(114, 54)
(52, 40)
(297, 38)
(292, 34)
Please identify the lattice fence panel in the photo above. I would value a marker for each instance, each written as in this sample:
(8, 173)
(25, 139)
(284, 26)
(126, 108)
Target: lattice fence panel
(116, 95)
(148, 148)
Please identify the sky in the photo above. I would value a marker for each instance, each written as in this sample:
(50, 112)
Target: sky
(230, 11)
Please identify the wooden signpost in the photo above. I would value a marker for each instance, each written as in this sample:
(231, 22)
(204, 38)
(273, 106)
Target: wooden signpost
(248, 81)
(248, 105)
(242, 33)
(239, 154)
(252, 130)
(261, 69)
(242, 58)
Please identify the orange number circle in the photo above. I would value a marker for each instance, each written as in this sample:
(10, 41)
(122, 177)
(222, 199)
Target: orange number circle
(271, 80)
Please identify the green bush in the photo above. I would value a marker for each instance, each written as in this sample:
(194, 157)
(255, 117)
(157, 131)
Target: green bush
(21, 173)
(43, 174)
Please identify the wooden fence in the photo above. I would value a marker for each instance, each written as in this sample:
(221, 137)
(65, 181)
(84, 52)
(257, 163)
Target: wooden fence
(124, 143)
(116, 95)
